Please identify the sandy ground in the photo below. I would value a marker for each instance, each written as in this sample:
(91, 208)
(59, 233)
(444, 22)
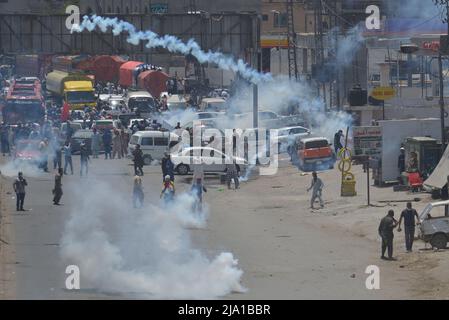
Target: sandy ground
(285, 250)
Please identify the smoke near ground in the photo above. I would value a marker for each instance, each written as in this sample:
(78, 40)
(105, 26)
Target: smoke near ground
(145, 252)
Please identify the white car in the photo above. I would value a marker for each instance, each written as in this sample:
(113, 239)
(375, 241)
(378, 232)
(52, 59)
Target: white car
(212, 160)
(209, 115)
(289, 135)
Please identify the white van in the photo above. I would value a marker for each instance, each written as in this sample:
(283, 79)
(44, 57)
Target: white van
(153, 144)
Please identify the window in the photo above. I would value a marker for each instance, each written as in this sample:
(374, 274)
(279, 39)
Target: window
(134, 140)
(280, 20)
(317, 144)
(160, 141)
(265, 17)
(147, 141)
(298, 130)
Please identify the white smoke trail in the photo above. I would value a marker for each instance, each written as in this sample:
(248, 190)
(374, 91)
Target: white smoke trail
(171, 43)
(145, 252)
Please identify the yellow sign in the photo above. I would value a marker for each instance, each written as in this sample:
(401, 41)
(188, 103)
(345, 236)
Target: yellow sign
(383, 93)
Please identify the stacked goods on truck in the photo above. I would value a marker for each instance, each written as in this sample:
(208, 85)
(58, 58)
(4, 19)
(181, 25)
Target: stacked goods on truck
(129, 72)
(154, 81)
(74, 88)
(107, 68)
(72, 63)
(24, 102)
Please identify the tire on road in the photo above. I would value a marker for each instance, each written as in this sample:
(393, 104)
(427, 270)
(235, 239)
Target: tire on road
(147, 159)
(182, 169)
(439, 241)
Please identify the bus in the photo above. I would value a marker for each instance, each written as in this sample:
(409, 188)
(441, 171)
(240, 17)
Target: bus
(24, 102)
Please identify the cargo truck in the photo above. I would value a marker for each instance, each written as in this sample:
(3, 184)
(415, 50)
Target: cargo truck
(74, 88)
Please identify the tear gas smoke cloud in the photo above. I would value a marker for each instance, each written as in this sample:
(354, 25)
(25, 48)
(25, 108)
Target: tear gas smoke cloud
(171, 43)
(145, 252)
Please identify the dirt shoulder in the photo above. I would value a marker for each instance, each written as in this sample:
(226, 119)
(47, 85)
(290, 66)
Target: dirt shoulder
(7, 251)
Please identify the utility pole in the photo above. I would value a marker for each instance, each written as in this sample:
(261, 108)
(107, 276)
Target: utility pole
(444, 4)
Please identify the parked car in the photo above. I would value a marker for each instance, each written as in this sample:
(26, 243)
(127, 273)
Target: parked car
(153, 144)
(315, 154)
(434, 227)
(213, 104)
(214, 161)
(84, 136)
(288, 136)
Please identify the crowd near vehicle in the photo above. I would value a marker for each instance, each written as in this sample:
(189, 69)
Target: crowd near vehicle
(212, 160)
(434, 224)
(76, 89)
(84, 136)
(154, 144)
(24, 102)
(315, 154)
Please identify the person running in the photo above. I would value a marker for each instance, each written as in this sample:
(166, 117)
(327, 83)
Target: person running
(68, 157)
(138, 194)
(385, 230)
(138, 160)
(57, 190)
(168, 189)
(317, 186)
(408, 214)
(84, 159)
(19, 188)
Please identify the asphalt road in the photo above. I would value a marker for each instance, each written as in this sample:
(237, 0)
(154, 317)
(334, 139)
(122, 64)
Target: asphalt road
(282, 255)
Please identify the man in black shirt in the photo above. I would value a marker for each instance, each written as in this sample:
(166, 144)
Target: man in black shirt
(409, 215)
(386, 226)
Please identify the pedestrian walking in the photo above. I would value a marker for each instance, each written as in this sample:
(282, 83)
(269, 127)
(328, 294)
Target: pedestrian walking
(138, 161)
(57, 190)
(95, 143)
(19, 188)
(116, 145)
(84, 159)
(125, 141)
(43, 148)
(138, 195)
(168, 168)
(68, 157)
(232, 174)
(385, 230)
(337, 141)
(197, 191)
(316, 186)
(408, 214)
(107, 141)
(57, 156)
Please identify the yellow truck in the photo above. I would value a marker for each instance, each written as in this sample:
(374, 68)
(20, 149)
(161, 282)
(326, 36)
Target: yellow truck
(74, 88)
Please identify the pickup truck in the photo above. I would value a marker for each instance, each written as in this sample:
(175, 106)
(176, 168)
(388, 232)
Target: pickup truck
(315, 154)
